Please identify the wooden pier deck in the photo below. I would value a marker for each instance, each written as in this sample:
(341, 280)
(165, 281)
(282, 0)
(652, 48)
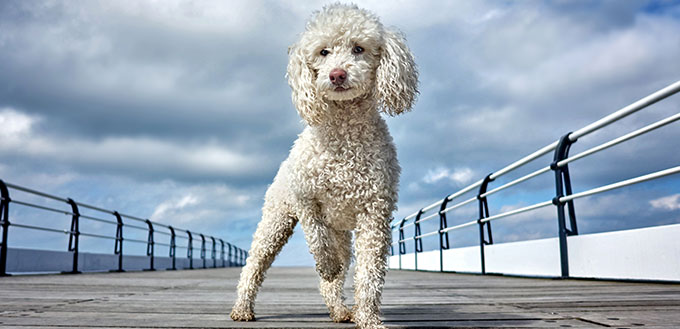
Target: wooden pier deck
(289, 299)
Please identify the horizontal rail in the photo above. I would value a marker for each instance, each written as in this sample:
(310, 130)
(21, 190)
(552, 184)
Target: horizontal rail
(80, 204)
(636, 180)
(93, 235)
(46, 229)
(55, 210)
(628, 110)
(42, 194)
(141, 228)
(621, 139)
(137, 240)
(99, 220)
(517, 211)
(459, 226)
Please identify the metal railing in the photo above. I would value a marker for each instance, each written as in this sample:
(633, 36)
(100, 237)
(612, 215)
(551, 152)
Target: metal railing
(564, 195)
(230, 255)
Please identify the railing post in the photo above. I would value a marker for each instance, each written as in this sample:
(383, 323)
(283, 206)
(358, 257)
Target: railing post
(222, 251)
(118, 245)
(149, 245)
(4, 220)
(416, 238)
(173, 248)
(443, 236)
(203, 249)
(74, 235)
(391, 243)
(229, 255)
(213, 253)
(402, 244)
(563, 187)
(190, 250)
(484, 213)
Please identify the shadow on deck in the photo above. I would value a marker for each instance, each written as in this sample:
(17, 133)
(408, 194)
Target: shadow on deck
(289, 298)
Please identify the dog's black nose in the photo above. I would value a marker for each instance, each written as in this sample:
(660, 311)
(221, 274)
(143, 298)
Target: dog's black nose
(338, 76)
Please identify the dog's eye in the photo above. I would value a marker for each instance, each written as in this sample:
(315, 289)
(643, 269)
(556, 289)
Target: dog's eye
(324, 52)
(358, 50)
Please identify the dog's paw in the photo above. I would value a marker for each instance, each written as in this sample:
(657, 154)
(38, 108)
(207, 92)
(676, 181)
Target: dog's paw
(341, 314)
(366, 320)
(372, 325)
(242, 314)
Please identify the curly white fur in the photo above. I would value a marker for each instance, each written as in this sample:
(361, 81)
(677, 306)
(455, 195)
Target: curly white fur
(342, 173)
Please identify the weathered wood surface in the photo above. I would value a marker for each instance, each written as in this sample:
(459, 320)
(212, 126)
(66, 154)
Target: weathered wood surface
(289, 298)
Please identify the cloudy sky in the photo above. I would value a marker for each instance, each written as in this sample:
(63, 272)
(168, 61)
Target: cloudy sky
(179, 111)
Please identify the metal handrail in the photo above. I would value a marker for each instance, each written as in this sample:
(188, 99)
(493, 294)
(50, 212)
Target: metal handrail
(561, 163)
(559, 166)
(74, 232)
(609, 119)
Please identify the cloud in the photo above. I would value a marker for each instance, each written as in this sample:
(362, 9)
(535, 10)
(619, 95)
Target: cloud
(15, 125)
(671, 202)
(174, 70)
(459, 176)
(130, 155)
(173, 206)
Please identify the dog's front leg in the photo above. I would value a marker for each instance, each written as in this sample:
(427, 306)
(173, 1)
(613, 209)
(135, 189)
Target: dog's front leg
(332, 291)
(271, 235)
(322, 244)
(372, 240)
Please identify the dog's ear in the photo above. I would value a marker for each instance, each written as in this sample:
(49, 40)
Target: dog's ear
(301, 80)
(396, 76)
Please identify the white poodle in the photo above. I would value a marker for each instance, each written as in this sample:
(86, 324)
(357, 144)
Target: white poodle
(342, 173)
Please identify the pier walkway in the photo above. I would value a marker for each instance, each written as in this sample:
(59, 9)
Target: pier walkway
(289, 299)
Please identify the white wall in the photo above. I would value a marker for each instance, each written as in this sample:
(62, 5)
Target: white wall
(37, 261)
(535, 257)
(462, 259)
(650, 254)
(641, 254)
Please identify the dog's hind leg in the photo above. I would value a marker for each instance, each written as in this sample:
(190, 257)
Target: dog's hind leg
(332, 290)
(271, 235)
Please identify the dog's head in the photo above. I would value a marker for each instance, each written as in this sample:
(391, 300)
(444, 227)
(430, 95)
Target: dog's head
(345, 53)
